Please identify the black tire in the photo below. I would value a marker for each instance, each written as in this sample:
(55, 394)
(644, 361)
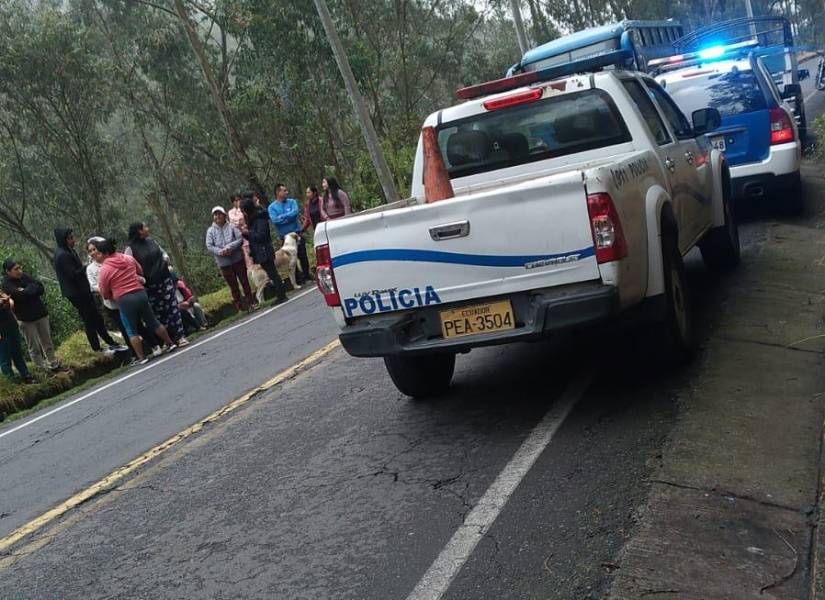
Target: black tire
(678, 331)
(720, 246)
(421, 376)
(792, 200)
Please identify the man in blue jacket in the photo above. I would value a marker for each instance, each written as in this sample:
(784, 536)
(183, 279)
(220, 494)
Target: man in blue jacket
(283, 212)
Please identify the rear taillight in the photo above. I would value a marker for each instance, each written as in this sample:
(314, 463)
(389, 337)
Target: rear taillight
(514, 99)
(325, 277)
(781, 127)
(608, 236)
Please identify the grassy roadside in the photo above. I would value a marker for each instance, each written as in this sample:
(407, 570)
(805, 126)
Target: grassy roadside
(88, 368)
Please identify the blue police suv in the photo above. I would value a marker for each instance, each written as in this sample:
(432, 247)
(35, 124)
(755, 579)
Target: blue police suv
(758, 134)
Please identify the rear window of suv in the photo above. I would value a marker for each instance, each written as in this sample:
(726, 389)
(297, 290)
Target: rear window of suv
(731, 93)
(549, 128)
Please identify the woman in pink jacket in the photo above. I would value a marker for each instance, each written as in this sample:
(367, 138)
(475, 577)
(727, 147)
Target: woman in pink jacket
(119, 280)
(237, 218)
(335, 202)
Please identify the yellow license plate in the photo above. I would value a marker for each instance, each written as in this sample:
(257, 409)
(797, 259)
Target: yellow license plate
(481, 318)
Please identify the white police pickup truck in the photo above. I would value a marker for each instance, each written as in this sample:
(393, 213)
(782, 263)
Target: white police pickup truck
(576, 197)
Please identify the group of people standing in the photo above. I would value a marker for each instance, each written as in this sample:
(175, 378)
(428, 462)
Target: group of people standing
(138, 291)
(241, 237)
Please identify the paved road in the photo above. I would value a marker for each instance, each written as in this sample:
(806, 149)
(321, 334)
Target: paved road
(332, 485)
(46, 459)
(814, 99)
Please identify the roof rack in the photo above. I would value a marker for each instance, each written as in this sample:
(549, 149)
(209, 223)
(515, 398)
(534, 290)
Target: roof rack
(585, 65)
(706, 55)
(736, 30)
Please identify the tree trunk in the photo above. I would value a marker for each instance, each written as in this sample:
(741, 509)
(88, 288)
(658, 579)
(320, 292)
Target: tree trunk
(235, 142)
(539, 22)
(10, 222)
(159, 208)
(361, 112)
(523, 45)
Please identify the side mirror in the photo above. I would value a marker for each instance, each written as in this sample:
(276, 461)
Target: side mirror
(804, 74)
(705, 119)
(792, 90)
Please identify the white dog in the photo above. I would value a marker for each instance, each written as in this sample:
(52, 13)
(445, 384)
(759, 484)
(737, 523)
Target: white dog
(258, 279)
(286, 256)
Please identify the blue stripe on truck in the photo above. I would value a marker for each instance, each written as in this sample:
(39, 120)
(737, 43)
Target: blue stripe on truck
(435, 256)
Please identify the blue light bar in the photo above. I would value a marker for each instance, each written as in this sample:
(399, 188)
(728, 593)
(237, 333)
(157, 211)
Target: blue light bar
(708, 54)
(712, 52)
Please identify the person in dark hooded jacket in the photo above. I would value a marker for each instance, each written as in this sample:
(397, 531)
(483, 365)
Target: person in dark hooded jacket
(260, 244)
(71, 274)
(31, 313)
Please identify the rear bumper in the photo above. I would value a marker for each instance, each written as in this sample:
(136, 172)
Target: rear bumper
(757, 179)
(537, 314)
(757, 186)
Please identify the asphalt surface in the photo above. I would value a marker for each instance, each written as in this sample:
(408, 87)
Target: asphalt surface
(332, 485)
(45, 461)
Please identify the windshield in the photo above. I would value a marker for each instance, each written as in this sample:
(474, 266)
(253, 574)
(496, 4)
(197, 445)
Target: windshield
(730, 93)
(549, 128)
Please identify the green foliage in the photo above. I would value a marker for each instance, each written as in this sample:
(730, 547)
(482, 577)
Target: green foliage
(819, 134)
(74, 353)
(204, 276)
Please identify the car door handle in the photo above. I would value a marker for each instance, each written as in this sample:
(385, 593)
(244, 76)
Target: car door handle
(671, 166)
(689, 157)
(449, 231)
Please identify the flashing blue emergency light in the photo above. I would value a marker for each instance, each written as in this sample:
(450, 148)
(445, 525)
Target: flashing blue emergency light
(712, 52)
(728, 51)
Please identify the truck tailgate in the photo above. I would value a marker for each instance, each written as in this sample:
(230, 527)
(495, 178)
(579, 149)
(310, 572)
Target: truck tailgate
(526, 236)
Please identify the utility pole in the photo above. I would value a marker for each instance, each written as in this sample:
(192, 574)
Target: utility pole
(522, 36)
(749, 10)
(361, 112)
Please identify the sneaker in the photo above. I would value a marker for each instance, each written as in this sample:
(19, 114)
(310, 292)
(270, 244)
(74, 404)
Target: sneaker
(118, 348)
(182, 342)
(168, 349)
(137, 362)
(157, 351)
(281, 300)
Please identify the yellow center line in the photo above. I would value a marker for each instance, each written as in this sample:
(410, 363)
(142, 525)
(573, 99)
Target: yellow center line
(118, 474)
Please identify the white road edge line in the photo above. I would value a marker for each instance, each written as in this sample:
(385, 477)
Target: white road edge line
(153, 364)
(452, 558)
(809, 96)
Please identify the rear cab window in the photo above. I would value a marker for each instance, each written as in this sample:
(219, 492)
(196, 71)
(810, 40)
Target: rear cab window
(548, 128)
(733, 92)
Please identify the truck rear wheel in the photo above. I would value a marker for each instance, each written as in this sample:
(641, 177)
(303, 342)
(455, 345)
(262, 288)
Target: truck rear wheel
(421, 376)
(720, 246)
(678, 332)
